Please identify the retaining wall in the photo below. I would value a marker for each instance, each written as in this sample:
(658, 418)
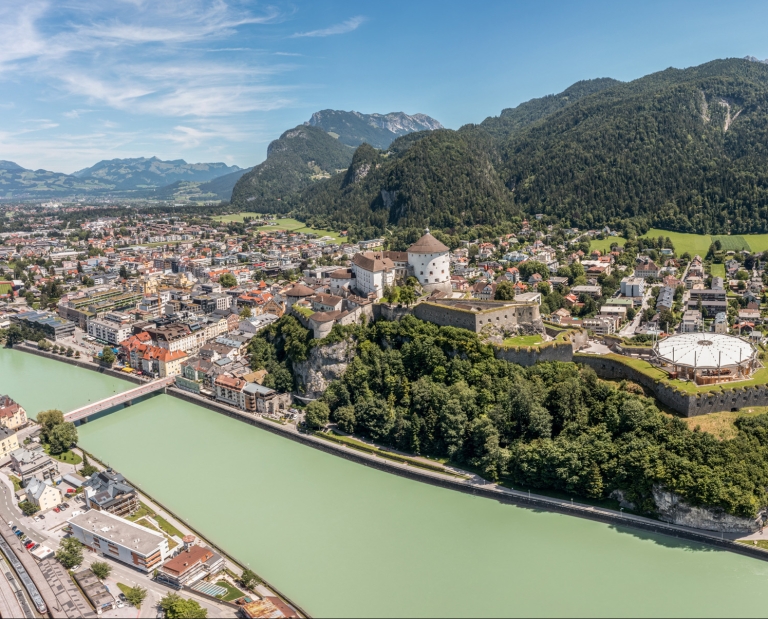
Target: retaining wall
(688, 404)
(81, 363)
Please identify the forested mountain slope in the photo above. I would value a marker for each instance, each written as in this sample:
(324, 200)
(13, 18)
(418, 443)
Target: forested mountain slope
(680, 149)
(297, 158)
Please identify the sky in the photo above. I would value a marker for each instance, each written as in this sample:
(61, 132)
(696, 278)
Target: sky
(218, 80)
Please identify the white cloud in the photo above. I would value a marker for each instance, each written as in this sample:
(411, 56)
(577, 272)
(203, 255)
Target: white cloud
(342, 28)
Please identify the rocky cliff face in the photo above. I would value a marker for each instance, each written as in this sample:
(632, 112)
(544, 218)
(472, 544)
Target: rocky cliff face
(671, 508)
(325, 364)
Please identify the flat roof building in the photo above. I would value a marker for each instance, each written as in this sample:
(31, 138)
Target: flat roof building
(120, 539)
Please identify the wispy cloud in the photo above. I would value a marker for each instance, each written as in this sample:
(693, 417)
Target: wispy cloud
(347, 26)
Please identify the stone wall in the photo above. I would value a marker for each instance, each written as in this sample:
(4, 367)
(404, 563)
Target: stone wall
(687, 404)
(389, 311)
(672, 508)
(452, 313)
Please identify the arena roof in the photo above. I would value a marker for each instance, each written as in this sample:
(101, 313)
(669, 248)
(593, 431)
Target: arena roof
(704, 350)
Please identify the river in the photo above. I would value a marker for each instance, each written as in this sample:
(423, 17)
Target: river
(345, 540)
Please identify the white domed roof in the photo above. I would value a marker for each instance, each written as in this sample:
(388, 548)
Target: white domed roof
(704, 350)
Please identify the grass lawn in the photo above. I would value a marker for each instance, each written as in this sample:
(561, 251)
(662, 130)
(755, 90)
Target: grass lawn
(167, 527)
(757, 242)
(717, 270)
(605, 244)
(68, 456)
(691, 243)
(523, 340)
(761, 543)
(232, 592)
(124, 588)
(16, 482)
(146, 523)
(721, 425)
(141, 512)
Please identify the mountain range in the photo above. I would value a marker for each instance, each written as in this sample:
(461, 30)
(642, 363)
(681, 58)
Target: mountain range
(138, 177)
(680, 149)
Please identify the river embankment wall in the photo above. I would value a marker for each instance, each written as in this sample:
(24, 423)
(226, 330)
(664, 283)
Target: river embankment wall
(688, 404)
(488, 490)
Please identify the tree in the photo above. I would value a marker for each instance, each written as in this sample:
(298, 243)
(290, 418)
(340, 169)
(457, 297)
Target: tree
(505, 291)
(28, 508)
(246, 312)
(108, 356)
(123, 272)
(87, 469)
(135, 595)
(318, 414)
(62, 437)
(70, 552)
(529, 267)
(228, 280)
(101, 569)
(43, 344)
(48, 420)
(249, 579)
(176, 607)
(407, 296)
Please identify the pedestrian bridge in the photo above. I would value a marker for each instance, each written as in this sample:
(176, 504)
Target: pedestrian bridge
(126, 397)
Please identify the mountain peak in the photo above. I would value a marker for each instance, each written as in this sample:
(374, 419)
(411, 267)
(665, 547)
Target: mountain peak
(753, 59)
(379, 130)
(11, 166)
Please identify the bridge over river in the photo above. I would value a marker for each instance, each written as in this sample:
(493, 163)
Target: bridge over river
(126, 397)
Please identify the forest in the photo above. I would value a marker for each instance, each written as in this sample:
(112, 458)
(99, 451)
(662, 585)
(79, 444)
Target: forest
(440, 391)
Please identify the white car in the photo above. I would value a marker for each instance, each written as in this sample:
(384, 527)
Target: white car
(36, 519)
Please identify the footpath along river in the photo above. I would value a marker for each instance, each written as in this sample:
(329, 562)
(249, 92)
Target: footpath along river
(347, 541)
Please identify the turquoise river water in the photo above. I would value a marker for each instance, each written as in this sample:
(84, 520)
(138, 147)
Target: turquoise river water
(348, 541)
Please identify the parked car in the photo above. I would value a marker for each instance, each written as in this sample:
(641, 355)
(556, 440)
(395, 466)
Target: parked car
(122, 597)
(29, 545)
(14, 527)
(56, 509)
(42, 517)
(36, 518)
(10, 523)
(36, 546)
(66, 505)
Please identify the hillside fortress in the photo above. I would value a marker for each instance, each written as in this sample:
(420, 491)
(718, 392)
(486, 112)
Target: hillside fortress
(371, 271)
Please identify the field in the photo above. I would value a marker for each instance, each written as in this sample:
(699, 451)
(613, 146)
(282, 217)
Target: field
(699, 243)
(717, 270)
(721, 425)
(283, 224)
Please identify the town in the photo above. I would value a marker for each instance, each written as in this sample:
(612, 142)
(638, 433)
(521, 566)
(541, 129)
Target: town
(177, 301)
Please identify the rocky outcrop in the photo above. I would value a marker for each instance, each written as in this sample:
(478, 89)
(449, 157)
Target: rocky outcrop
(325, 364)
(618, 495)
(672, 508)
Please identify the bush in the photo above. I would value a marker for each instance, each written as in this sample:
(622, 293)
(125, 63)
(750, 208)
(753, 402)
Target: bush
(101, 569)
(28, 508)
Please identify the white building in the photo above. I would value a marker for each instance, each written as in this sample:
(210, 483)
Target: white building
(43, 494)
(120, 539)
(372, 273)
(429, 261)
(114, 329)
(632, 286)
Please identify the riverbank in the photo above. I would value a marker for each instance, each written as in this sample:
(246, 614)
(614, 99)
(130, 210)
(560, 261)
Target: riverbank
(475, 485)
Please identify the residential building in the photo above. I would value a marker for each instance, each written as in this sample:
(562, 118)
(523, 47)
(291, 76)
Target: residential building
(691, 321)
(12, 415)
(43, 494)
(712, 301)
(601, 325)
(632, 286)
(109, 492)
(120, 539)
(593, 291)
(114, 329)
(721, 322)
(646, 269)
(666, 298)
(190, 565)
(32, 463)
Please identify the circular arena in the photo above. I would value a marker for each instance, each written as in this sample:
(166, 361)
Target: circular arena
(706, 358)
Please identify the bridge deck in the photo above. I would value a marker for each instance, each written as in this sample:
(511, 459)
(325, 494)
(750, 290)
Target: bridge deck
(117, 399)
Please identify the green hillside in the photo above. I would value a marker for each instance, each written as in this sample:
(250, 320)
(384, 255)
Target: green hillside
(680, 149)
(296, 159)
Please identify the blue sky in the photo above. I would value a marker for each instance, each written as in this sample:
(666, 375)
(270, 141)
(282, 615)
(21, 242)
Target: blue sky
(217, 80)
